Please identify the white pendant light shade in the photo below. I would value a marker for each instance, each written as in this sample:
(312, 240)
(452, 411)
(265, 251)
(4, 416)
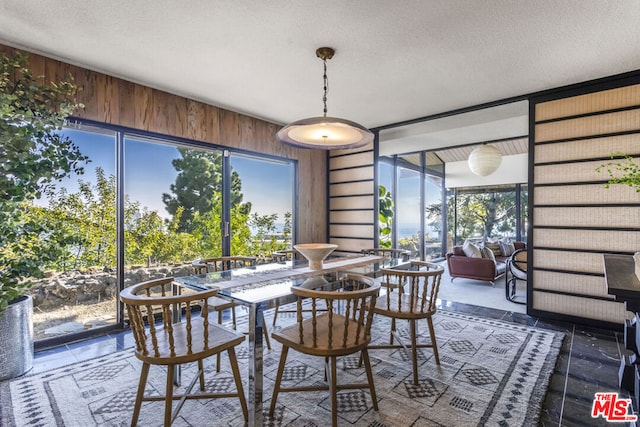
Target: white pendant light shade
(325, 132)
(484, 160)
(328, 133)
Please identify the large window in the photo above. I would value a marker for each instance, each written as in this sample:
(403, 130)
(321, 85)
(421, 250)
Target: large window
(414, 183)
(79, 289)
(262, 218)
(172, 205)
(146, 207)
(487, 212)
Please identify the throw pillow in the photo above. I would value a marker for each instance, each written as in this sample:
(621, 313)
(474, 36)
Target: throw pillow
(471, 250)
(507, 248)
(487, 253)
(495, 247)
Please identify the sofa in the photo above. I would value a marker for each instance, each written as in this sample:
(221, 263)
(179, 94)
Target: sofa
(478, 268)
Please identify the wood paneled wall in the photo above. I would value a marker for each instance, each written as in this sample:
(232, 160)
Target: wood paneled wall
(575, 218)
(352, 199)
(115, 101)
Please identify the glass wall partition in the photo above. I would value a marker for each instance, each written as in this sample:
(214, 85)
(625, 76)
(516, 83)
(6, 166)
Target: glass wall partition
(416, 194)
(386, 205)
(408, 210)
(434, 227)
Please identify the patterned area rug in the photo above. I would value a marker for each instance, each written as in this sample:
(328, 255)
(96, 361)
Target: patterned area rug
(492, 373)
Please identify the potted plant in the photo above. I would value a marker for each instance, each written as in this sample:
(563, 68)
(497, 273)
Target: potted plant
(623, 171)
(33, 156)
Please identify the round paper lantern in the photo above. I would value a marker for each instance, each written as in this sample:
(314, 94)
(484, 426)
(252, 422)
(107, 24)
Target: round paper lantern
(484, 160)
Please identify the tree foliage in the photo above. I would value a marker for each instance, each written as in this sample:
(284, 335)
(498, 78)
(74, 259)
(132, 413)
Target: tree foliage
(487, 214)
(385, 217)
(85, 229)
(198, 182)
(34, 156)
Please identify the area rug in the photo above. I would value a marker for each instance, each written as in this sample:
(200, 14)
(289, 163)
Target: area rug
(492, 373)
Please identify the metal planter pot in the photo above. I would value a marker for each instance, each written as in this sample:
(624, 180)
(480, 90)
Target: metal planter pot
(16, 336)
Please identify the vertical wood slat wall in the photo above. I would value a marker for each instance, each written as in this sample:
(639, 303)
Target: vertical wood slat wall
(575, 218)
(118, 102)
(352, 199)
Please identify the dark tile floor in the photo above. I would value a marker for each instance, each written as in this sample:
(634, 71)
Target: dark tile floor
(588, 363)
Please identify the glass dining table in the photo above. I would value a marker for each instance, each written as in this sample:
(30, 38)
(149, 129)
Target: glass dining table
(266, 286)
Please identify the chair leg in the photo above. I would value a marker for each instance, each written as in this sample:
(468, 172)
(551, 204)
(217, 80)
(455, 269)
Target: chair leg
(265, 332)
(393, 330)
(233, 316)
(201, 370)
(364, 355)
(276, 385)
(414, 350)
(218, 358)
(168, 399)
(333, 391)
(141, 385)
(275, 316)
(432, 332)
(238, 379)
(326, 368)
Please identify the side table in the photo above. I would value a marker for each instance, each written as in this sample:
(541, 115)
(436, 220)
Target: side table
(623, 284)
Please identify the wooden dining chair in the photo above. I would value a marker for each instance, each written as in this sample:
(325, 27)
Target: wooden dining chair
(402, 255)
(283, 256)
(417, 301)
(391, 253)
(170, 344)
(224, 263)
(343, 329)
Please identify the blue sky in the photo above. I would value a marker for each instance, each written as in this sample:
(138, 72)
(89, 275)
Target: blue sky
(149, 173)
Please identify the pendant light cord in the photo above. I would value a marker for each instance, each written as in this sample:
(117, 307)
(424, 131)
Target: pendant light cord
(326, 87)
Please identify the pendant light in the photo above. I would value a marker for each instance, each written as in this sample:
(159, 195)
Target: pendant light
(484, 160)
(328, 133)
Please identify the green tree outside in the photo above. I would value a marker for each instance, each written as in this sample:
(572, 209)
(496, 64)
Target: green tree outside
(34, 156)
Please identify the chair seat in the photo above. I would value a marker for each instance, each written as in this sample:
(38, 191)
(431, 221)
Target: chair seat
(405, 308)
(522, 275)
(218, 339)
(323, 346)
(218, 304)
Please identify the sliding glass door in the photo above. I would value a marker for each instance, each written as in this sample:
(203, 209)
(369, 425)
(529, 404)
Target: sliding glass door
(172, 204)
(144, 207)
(78, 251)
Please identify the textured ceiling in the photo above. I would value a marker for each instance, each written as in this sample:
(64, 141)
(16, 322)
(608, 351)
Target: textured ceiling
(395, 60)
